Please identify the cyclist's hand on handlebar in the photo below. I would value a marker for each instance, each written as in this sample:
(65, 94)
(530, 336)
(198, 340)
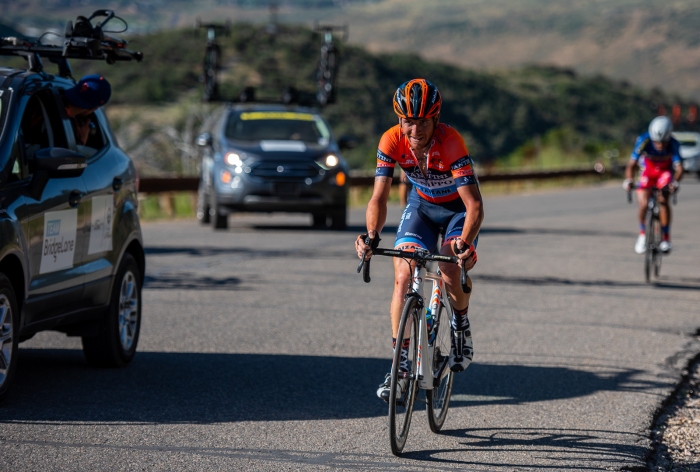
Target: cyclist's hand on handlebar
(627, 184)
(465, 253)
(673, 186)
(365, 243)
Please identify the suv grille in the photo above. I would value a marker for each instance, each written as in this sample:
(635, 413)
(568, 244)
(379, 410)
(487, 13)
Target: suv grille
(284, 170)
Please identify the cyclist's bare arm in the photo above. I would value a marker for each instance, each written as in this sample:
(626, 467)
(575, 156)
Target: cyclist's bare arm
(472, 223)
(376, 212)
(629, 170)
(677, 172)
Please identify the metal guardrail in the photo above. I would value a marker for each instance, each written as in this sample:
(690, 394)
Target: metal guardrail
(191, 184)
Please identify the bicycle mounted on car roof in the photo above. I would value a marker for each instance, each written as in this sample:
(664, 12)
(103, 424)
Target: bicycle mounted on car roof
(212, 59)
(327, 70)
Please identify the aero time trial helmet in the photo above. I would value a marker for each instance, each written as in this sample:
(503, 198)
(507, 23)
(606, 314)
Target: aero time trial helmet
(417, 98)
(660, 129)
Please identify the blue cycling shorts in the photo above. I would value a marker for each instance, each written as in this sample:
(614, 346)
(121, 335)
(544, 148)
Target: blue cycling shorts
(422, 223)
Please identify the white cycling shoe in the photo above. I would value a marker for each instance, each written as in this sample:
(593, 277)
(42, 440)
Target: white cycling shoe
(640, 247)
(665, 247)
(384, 390)
(459, 363)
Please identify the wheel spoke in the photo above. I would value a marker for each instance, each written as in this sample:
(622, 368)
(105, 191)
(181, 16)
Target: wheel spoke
(3, 313)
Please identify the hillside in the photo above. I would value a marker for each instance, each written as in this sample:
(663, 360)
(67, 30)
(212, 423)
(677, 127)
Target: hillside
(648, 43)
(497, 113)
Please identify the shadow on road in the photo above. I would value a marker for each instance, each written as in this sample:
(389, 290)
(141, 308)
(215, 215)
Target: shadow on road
(556, 232)
(573, 447)
(662, 283)
(161, 387)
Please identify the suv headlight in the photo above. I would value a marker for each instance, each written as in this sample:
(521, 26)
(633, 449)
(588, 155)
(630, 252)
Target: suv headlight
(233, 159)
(329, 161)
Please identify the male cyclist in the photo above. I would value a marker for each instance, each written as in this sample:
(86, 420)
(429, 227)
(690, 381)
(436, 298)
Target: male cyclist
(445, 199)
(657, 154)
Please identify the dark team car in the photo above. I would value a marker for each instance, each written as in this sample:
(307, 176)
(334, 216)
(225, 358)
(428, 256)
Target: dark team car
(71, 252)
(273, 158)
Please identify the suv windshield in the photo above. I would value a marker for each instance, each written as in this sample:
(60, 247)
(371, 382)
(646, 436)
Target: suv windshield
(277, 125)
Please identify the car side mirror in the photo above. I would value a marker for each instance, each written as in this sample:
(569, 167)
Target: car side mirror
(204, 140)
(60, 162)
(347, 142)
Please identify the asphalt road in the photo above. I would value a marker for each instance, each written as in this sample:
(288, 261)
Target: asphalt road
(261, 349)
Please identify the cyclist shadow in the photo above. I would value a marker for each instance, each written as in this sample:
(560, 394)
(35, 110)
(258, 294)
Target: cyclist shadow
(571, 446)
(491, 385)
(167, 387)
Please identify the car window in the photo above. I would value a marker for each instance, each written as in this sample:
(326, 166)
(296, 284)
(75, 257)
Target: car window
(287, 126)
(96, 138)
(41, 127)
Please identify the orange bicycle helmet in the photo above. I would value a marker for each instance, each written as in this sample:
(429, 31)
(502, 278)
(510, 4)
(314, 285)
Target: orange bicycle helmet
(417, 98)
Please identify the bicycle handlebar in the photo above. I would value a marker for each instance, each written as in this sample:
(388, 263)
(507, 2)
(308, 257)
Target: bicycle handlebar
(415, 255)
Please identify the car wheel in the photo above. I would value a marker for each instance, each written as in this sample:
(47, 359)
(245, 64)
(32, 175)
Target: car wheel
(115, 345)
(339, 219)
(203, 210)
(9, 335)
(319, 221)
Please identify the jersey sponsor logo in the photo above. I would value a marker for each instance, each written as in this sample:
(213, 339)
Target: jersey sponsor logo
(58, 247)
(463, 172)
(102, 214)
(461, 162)
(383, 157)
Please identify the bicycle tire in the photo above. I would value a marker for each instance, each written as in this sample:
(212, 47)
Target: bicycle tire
(655, 231)
(649, 253)
(401, 409)
(211, 66)
(438, 399)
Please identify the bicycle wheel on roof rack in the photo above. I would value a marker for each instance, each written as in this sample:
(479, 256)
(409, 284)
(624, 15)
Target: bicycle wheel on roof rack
(404, 387)
(438, 399)
(211, 66)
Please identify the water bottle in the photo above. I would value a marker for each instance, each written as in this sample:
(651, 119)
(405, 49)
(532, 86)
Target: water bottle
(432, 311)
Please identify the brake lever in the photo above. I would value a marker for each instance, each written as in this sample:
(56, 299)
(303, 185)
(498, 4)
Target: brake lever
(463, 275)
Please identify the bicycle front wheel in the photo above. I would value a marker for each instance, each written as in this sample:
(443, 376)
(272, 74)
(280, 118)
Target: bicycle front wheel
(657, 236)
(438, 398)
(403, 384)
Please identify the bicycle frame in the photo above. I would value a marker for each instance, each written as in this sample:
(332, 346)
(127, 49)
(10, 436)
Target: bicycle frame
(426, 379)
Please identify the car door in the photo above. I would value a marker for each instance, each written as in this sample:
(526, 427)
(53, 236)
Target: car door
(56, 213)
(105, 177)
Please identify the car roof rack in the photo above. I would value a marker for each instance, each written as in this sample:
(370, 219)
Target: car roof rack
(81, 41)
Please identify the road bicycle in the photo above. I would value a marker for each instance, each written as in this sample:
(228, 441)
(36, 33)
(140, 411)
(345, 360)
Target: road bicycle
(212, 59)
(327, 70)
(652, 255)
(429, 331)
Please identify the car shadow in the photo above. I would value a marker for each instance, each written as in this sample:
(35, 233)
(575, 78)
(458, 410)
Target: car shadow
(169, 387)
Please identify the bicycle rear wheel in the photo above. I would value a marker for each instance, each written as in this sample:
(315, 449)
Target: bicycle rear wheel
(401, 406)
(438, 398)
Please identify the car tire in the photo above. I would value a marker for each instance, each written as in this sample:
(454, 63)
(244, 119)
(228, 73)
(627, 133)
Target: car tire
(115, 345)
(9, 335)
(318, 220)
(203, 209)
(220, 218)
(339, 219)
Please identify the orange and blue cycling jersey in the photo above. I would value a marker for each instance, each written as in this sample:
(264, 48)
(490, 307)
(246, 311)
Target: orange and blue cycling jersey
(648, 157)
(449, 164)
